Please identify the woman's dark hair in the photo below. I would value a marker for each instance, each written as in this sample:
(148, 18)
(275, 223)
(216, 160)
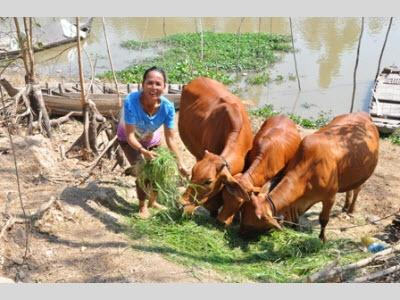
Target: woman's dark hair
(154, 68)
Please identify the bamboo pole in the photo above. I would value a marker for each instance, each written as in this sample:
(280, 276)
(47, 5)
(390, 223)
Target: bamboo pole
(383, 47)
(164, 31)
(294, 54)
(201, 39)
(356, 65)
(111, 62)
(84, 102)
(238, 42)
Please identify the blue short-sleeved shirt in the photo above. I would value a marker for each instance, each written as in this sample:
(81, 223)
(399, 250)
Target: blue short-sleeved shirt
(145, 124)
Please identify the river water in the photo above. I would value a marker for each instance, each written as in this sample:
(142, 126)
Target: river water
(326, 50)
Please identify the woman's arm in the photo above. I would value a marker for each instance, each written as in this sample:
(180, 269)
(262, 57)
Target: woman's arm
(170, 139)
(135, 144)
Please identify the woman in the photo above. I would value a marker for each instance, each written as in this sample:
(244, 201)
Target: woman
(139, 129)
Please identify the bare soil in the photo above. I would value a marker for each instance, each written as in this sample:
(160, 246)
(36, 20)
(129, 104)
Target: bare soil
(82, 238)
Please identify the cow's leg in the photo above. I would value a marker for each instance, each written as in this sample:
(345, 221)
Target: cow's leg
(327, 204)
(213, 204)
(347, 202)
(353, 202)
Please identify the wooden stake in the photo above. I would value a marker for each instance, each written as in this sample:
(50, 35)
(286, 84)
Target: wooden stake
(355, 67)
(294, 54)
(383, 47)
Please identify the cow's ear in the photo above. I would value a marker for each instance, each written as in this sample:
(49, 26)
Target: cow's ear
(273, 222)
(237, 190)
(265, 188)
(233, 186)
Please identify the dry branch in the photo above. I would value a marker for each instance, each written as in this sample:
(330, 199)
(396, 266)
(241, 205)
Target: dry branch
(376, 275)
(110, 143)
(340, 270)
(10, 222)
(26, 220)
(322, 273)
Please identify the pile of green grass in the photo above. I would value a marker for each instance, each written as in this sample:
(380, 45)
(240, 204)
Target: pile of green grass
(285, 256)
(223, 54)
(161, 175)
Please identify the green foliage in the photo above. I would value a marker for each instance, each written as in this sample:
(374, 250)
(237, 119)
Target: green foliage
(394, 138)
(285, 256)
(279, 78)
(264, 112)
(268, 111)
(292, 77)
(258, 79)
(161, 175)
(223, 54)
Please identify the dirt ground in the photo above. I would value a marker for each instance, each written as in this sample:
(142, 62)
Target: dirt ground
(81, 239)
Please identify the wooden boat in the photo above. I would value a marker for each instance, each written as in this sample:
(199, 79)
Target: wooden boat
(384, 107)
(68, 36)
(62, 100)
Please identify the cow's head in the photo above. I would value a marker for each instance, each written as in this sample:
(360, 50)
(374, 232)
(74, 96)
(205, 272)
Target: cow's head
(208, 177)
(258, 214)
(234, 194)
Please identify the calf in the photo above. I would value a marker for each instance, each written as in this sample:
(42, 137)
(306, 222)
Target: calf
(337, 158)
(215, 128)
(274, 145)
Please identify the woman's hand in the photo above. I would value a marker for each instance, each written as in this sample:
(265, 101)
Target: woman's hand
(183, 171)
(148, 155)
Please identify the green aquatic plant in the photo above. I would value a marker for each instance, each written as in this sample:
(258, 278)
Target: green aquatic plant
(223, 54)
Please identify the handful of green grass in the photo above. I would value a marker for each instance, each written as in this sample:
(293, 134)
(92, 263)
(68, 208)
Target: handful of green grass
(160, 175)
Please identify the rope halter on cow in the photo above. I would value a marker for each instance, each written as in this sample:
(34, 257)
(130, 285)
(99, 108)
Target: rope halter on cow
(271, 203)
(225, 163)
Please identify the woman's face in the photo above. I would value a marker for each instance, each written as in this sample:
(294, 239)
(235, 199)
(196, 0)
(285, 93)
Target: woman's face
(153, 85)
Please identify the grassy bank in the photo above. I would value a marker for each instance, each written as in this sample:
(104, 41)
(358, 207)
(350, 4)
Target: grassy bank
(215, 55)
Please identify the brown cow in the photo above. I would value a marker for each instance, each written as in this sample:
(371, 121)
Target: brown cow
(274, 145)
(337, 158)
(215, 128)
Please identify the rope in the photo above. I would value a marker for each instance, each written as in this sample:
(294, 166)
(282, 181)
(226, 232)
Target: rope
(343, 228)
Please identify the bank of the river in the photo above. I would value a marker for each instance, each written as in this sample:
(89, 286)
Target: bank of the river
(94, 236)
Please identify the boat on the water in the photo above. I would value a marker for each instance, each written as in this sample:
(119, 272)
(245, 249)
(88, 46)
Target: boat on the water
(57, 35)
(63, 99)
(384, 107)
